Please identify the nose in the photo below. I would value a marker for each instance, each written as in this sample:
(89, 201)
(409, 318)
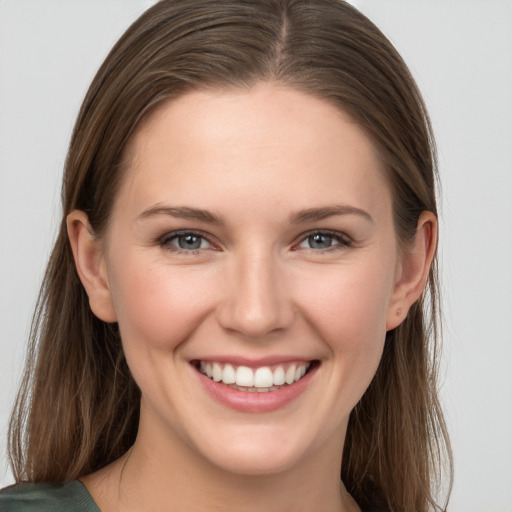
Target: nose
(257, 301)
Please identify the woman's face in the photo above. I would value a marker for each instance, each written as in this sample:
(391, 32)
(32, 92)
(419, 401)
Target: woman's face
(252, 239)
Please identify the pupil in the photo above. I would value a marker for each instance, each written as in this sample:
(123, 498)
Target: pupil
(320, 241)
(189, 242)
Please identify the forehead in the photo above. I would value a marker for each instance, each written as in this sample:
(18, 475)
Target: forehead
(268, 140)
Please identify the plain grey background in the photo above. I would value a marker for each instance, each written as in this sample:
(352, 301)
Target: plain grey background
(460, 52)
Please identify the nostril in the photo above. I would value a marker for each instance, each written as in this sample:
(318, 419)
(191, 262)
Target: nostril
(255, 321)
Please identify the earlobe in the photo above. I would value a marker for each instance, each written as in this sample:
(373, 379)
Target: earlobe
(415, 265)
(90, 265)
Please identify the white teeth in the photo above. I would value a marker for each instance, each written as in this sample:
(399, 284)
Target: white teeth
(217, 372)
(244, 377)
(228, 375)
(261, 379)
(279, 379)
(290, 375)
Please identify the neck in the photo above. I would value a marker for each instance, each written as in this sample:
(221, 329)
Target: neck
(168, 475)
(189, 485)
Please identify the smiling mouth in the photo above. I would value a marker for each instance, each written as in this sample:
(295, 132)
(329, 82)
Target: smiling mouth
(260, 380)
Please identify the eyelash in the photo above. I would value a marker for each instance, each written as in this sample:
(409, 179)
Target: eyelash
(342, 241)
(166, 241)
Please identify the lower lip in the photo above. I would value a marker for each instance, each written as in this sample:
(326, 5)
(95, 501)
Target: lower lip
(246, 401)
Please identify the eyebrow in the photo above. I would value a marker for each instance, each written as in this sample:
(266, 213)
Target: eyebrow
(182, 212)
(299, 217)
(316, 214)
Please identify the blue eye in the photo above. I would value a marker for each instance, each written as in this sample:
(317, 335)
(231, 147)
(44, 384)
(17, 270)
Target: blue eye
(185, 241)
(324, 240)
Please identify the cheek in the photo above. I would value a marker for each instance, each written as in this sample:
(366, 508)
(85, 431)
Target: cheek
(348, 306)
(350, 317)
(157, 306)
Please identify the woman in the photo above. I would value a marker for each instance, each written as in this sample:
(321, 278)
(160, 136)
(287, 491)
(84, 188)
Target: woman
(234, 311)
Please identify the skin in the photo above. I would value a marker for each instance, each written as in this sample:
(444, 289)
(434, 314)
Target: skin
(255, 288)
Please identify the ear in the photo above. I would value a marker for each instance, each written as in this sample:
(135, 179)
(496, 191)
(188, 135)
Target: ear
(90, 265)
(413, 270)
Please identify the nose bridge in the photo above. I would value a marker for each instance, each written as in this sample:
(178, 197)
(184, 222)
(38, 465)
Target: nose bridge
(256, 302)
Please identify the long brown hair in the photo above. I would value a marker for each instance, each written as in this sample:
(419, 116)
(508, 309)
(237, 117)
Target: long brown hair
(78, 406)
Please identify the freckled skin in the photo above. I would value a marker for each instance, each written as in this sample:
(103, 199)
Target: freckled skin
(255, 288)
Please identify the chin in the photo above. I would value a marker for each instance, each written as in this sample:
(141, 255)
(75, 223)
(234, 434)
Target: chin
(257, 450)
(254, 460)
